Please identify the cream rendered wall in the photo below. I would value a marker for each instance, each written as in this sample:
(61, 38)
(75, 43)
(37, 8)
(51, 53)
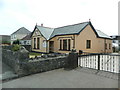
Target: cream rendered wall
(38, 35)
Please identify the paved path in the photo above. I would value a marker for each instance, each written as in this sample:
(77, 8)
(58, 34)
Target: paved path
(61, 78)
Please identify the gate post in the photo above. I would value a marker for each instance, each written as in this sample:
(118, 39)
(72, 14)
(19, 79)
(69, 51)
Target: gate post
(98, 61)
(72, 60)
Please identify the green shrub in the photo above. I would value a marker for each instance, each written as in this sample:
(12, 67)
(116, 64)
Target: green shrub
(15, 47)
(16, 41)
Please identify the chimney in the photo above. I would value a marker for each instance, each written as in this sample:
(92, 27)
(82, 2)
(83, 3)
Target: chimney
(89, 20)
(42, 24)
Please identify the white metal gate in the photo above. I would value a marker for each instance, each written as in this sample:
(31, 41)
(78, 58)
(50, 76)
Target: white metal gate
(105, 62)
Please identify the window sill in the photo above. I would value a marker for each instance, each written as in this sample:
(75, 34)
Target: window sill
(88, 48)
(64, 50)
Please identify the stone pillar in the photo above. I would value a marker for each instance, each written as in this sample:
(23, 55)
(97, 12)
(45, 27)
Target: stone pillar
(72, 60)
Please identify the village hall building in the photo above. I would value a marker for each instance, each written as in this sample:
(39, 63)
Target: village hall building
(81, 36)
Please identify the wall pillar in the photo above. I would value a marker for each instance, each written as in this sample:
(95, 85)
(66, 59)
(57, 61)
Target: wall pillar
(72, 60)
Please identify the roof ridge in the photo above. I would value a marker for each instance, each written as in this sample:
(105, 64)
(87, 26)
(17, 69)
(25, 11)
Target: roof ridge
(20, 29)
(45, 27)
(72, 24)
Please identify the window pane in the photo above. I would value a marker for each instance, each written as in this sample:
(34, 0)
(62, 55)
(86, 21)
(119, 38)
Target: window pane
(38, 43)
(109, 46)
(105, 45)
(65, 44)
(60, 44)
(69, 44)
(34, 42)
(88, 44)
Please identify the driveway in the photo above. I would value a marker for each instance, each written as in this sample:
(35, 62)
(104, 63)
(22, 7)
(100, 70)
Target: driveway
(60, 78)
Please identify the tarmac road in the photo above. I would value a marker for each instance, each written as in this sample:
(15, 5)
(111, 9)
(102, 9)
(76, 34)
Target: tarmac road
(61, 78)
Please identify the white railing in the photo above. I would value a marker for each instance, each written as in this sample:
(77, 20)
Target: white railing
(103, 62)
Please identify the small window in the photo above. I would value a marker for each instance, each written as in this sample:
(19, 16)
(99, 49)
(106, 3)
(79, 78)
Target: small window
(105, 45)
(34, 43)
(88, 44)
(24, 42)
(113, 41)
(60, 44)
(69, 44)
(38, 43)
(65, 44)
(109, 46)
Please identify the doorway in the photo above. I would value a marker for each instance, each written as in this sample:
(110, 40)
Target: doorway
(51, 46)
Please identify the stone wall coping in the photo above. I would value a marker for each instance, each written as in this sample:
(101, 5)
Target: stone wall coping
(45, 59)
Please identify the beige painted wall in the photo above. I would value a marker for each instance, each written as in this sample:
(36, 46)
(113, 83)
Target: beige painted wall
(57, 42)
(97, 44)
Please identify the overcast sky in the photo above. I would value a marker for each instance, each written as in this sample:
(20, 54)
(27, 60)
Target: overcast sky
(56, 13)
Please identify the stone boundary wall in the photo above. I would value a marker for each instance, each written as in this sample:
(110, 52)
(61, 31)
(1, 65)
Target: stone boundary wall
(43, 64)
(13, 59)
(22, 65)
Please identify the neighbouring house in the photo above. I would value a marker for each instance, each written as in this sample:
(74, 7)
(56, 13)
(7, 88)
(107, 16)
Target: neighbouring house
(116, 43)
(82, 36)
(26, 42)
(5, 40)
(19, 34)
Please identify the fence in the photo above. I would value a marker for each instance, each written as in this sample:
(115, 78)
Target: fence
(105, 62)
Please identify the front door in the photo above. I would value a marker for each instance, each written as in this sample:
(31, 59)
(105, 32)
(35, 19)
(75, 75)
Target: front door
(51, 46)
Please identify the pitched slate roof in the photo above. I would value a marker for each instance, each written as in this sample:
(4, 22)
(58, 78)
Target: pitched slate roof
(70, 29)
(21, 30)
(27, 37)
(102, 35)
(49, 33)
(45, 31)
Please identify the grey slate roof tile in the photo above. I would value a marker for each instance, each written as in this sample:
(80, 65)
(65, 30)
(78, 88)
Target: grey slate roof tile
(22, 30)
(27, 37)
(70, 29)
(101, 34)
(46, 32)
